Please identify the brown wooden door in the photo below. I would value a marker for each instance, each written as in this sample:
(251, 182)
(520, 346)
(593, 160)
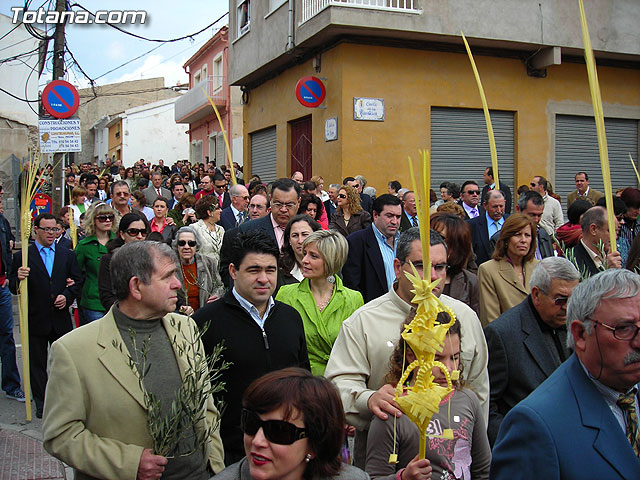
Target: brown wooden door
(301, 147)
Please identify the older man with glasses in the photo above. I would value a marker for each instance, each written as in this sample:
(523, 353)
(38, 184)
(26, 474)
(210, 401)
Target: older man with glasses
(528, 342)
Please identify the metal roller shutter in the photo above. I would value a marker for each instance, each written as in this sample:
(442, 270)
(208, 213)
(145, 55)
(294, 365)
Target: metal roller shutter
(577, 151)
(221, 150)
(460, 145)
(263, 154)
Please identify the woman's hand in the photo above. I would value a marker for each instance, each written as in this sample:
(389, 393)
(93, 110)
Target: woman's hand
(170, 221)
(417, 469)
(186, 310)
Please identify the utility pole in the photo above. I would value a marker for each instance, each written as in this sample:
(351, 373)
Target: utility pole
(57, 195)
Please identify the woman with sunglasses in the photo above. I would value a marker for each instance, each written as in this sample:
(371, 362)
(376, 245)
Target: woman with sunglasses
(349, 217)
(207, 230)
(467, 455)
(201, 283)
(320, 298)
(100, 228)
(183, 213)
(160, 222)
(295, 233)
(133, 227)
(504, 280)
(293, 426)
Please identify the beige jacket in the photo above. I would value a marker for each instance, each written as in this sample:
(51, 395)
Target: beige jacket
(94, 414)
(500, 288)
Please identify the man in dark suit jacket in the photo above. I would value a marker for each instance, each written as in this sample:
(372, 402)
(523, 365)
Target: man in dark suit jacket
(595, 235)
(490, 185)
(236, 213)
(151, 192)
(220, 186)
(470, 200)
(480, 232)
(528, 342)
(573, 425)
(331, 205)
(52, 287)
(285, 200)
(531, 203)
(369, 265)
(409, 211)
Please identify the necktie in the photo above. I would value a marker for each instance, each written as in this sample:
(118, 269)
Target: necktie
(474, 213)
(414, 221)
(220, 200)
(48, 259)
(627, 403)
(240, 218)
(159, 194)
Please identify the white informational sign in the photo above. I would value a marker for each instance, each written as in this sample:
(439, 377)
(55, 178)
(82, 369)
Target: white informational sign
(59, 136)
(331, 129)
(368, 109)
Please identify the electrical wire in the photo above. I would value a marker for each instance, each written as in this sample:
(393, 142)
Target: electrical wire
(154, 39)
(16, 97)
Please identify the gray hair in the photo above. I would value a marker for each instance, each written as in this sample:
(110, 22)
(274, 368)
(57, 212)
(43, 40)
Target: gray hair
(136, 259)
(586, 297)
(553, 268)
(361, 179)
(595, 215)
(403, 249)
(371, 191)
(235, 191)
(181, 230)
(530, 196)
(335, 185)
(401, 192)
(490, 194)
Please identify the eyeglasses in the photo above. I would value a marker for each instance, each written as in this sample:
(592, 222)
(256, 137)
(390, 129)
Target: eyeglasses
(279, 205)
(134, 232)
(105, 218)
(558, 301)
(473, 192)
(49, 229)
(625, 331)
(438, 267)
(533, 184)
(256, 207)
(275, 431)
(191, 243)
(342, 195)
(121, 194)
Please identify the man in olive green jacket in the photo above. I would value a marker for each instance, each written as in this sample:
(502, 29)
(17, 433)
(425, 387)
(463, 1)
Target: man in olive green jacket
(96, 415)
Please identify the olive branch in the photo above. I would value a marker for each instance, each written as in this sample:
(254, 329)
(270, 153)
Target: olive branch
(201, 379)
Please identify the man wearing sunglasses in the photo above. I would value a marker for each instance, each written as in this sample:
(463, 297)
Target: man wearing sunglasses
(528, 342)
(470, 200)
(97, 418)
(54, 280)
(582, 421)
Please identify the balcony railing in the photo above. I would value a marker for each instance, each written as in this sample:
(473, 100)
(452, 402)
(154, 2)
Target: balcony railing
(194, 105)
(310, 8)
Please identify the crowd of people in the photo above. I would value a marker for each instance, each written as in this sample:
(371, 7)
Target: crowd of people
(307, 291)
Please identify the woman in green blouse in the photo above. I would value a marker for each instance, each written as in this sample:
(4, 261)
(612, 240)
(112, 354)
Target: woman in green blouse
(99, 225)
(321, 299)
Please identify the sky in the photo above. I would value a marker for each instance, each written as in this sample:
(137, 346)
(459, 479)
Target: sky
(100, 48)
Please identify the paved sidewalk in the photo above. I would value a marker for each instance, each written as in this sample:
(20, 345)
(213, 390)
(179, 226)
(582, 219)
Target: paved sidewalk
(22, 456)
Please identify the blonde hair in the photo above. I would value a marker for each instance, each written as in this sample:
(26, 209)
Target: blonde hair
(332, 246)
(99, 208)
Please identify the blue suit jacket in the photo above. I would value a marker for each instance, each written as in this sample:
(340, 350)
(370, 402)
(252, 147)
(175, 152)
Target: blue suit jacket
(227, 219)
(364, 268)
(480, 238)
(563, 430)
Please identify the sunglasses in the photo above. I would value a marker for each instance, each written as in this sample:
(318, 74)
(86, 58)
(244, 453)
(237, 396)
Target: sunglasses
(473, 192)
(342, 195)
(182, 243)
(558, 301)
(134, 232)
(275, 431)
(105, 218)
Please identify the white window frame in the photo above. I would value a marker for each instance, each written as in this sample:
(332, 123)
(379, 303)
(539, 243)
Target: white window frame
(218, 75)
(242, 29)
(197, 77)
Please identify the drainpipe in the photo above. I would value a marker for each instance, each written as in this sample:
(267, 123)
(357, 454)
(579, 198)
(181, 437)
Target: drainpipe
(290, 43)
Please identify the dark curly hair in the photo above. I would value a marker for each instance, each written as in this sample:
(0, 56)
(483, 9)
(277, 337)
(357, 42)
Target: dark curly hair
(306, 200)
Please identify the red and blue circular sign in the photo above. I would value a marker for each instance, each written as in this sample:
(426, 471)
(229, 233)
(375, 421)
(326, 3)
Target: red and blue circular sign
(310, 91)
(41, 203)
(60, 99)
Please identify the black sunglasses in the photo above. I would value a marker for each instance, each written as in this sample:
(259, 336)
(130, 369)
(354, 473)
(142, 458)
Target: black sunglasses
(182, 243)
(134, 232)
(105, 218)
(342, 195)
(275, 431)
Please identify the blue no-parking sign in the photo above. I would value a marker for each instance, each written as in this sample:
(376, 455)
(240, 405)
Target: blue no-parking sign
(310, 91)
(60, 99)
